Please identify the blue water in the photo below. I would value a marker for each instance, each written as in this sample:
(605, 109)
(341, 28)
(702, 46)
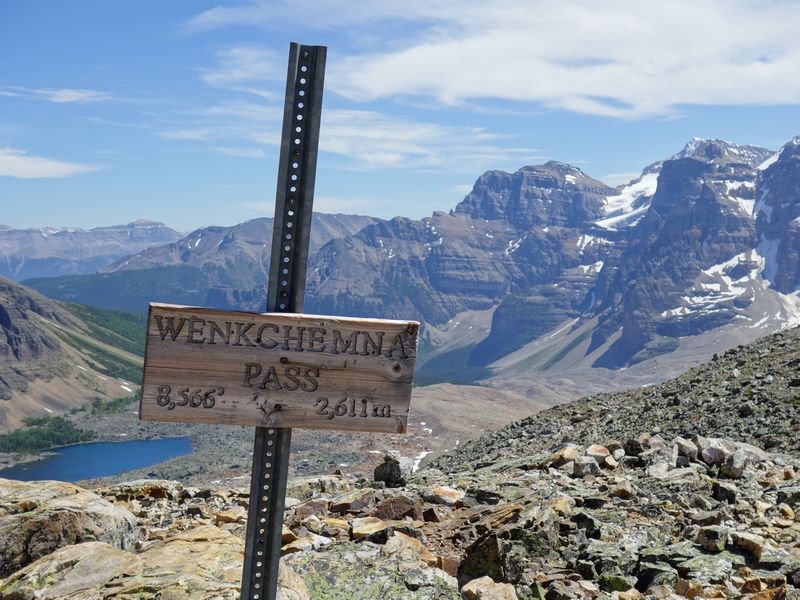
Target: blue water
(98, 459)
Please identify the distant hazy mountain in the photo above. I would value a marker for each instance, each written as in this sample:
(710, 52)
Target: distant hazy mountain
(211, 266)
(28, 253)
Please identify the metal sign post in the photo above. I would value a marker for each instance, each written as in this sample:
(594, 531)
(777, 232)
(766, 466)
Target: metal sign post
(285, 293)
(281, 369)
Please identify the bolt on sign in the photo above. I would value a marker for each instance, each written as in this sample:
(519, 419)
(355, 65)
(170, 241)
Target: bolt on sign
(277, 370)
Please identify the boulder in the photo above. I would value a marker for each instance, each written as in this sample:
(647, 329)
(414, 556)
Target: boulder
(203, 563)
(77, 571)
(397, 507)
(365, 527)
(41, 517)
(443, 495)
(353, 501)
(485, 588)
(584, 466)
(389, 472)
(356, 570)
(304, 488)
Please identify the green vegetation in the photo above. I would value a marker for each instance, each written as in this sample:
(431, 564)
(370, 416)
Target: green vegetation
(656, 348)
(110, 364)
(116, 328)
(559, 356)
(450, 367)
(111, 406)
(43, 433)
(129, 290)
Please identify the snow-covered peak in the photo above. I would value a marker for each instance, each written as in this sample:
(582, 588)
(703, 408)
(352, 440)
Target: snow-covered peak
(721, 152)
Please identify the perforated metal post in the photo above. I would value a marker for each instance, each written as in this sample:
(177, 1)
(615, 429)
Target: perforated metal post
(285, 293)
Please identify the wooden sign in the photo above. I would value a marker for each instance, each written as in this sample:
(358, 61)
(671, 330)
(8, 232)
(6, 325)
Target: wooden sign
(277, 370)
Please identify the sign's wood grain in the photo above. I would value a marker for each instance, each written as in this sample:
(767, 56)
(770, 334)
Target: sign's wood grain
(277, 370)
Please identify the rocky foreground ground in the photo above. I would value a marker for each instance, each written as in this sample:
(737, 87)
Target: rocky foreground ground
(663, 492)
(700, 518)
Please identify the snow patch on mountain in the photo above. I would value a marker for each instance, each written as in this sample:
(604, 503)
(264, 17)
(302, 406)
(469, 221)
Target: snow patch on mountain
(626, 208)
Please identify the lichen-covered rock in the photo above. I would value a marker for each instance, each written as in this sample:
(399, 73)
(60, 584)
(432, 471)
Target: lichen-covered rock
(81, 571)
(203, 563)
(41, 517)
(303, 488)
(365, 570)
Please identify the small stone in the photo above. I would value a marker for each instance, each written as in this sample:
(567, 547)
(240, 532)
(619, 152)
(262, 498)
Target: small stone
(485, 588)
(237, 514)
(686, 448)
(397, 507)
(569, 453)
(713, 537)
(725, 492)
(444, 495)
(405, 545)
(389, 472)
(434, 514)
(624, 489)
(657, 574)
(299, 545)
(598, 452)
(658, 470)
(287, 535)
(366, 526)
(735, 465)
(749, 542)
(706, 517)
(353, 501)
(616, 583)
(584, 466)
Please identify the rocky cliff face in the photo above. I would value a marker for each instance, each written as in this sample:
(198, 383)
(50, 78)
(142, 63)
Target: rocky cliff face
(694, 222)
(28, 351)
(663, 492)
(43, 346)
(29, 253)
(511, 232)
(778, 218)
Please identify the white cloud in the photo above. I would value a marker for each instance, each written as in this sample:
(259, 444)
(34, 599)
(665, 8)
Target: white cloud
(374, 140)
(57, 95)
(621, 58)
(19, 164)
(241, 68)
(367, 140)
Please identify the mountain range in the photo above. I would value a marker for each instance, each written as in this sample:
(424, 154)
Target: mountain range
(544, 280)
(49, 252)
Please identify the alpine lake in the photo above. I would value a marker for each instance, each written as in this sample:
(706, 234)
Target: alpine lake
(98, 459)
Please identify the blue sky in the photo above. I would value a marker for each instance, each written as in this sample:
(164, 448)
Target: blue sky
(116, 111)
